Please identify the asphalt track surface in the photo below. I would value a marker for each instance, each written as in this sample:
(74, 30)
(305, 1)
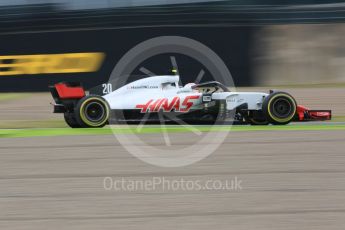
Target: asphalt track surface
(290, 180)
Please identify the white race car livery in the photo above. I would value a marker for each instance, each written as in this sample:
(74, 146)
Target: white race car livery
(150, 97)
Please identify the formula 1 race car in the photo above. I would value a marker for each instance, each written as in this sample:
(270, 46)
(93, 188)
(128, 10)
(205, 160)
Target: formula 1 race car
(150, 97)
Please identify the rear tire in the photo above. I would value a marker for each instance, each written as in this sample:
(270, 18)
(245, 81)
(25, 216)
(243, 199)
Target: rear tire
(279, 108)
(257, 118)
(92, 112)
(71, 120)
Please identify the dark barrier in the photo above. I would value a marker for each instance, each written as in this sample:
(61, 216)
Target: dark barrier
(28, 63)
(107, 33)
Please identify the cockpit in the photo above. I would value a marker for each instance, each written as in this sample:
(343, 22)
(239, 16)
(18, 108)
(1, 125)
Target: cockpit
(169, 85)
(210, 87)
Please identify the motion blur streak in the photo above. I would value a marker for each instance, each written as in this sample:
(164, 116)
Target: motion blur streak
(50, 63)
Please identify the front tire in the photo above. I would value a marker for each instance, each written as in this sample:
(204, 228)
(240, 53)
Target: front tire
(279, 108)
(92, 112)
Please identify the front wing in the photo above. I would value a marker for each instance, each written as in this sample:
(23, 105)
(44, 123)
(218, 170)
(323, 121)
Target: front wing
(306, 114)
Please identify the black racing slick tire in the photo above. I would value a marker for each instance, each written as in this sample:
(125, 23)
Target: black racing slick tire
(279, 108)
(71, 120)
(257, 118)
(92, 112)
(253, 121)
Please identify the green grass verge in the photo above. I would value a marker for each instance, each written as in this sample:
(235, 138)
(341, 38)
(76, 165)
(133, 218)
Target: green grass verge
(60, 123)
(12, 96)
(8, 133)
(25, 124)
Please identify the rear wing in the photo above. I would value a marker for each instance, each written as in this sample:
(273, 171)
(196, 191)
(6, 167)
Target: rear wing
(66, 95)
(67, 90)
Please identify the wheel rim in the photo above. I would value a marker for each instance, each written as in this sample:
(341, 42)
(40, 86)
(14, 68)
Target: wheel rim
(94, 111)
(282, 108)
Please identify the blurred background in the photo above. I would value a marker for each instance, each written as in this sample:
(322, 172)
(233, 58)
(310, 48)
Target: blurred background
(263, 43)
(51, 175)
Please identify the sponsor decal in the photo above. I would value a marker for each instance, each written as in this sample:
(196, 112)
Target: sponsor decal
(207, 98)
(165, 105)
(143, 87)
(322, 114)
(50, 63)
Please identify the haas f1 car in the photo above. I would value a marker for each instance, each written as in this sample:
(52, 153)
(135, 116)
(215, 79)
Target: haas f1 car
(149, 98)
